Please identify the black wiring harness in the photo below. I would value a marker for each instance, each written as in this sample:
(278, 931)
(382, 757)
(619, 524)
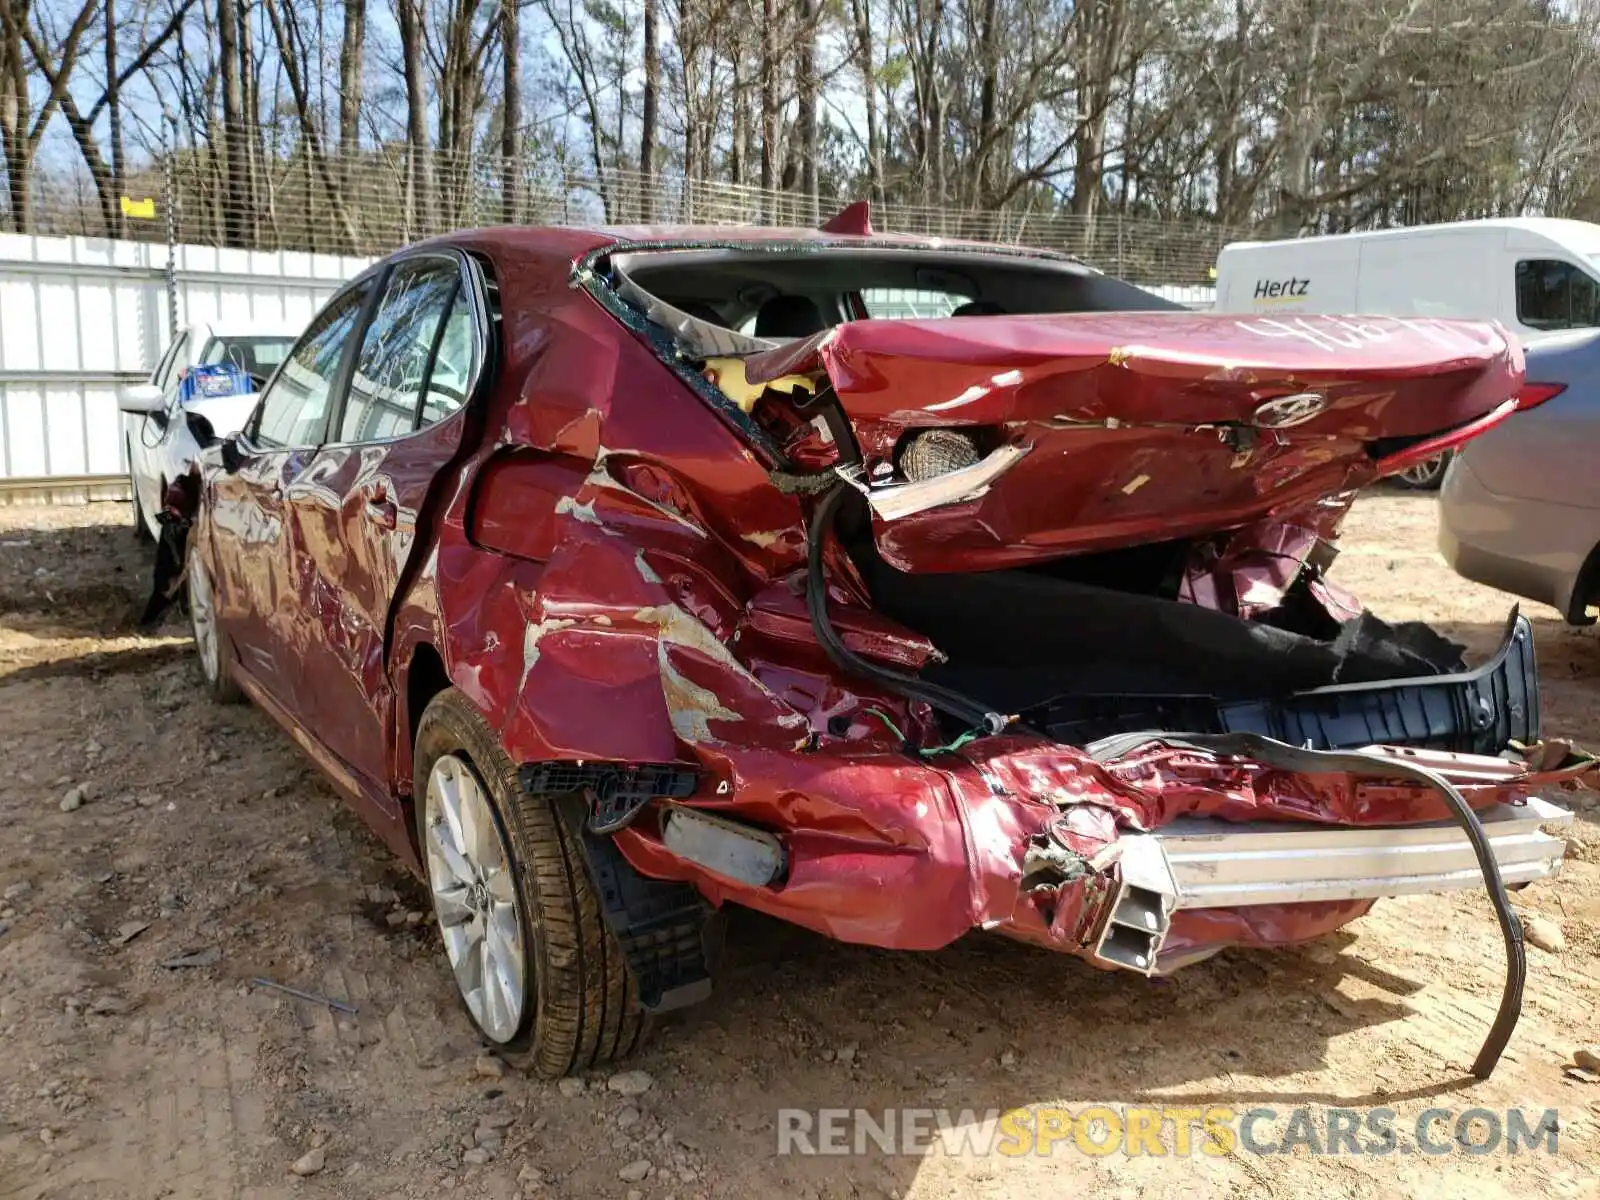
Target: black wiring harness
(1278, 754)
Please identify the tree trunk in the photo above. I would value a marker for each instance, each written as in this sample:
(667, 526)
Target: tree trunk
(511, 113)
(1102, 32)
(256, 158)
(419, 185)
(237, 209)
(806, 116)
(352, 48)
(861, 10)
(114, 112)
(1302, 129)
(769, 95)
(647, 110)
(14, 115)
(988, 95)
(739, 151)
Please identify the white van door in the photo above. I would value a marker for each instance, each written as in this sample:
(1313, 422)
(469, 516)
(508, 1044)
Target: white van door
(1433, 275)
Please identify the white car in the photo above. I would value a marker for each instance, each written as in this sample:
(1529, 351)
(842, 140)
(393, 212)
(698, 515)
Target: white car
(158, 420)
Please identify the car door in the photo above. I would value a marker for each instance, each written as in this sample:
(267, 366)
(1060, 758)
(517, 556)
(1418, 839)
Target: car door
(356, 507)
(255, 584)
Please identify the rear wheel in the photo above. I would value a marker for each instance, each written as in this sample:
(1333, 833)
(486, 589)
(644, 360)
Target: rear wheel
(207, 636)
(1426, 476)
(534, 962)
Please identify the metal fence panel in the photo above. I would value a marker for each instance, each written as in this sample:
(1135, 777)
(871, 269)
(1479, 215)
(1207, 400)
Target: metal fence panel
(80, 317)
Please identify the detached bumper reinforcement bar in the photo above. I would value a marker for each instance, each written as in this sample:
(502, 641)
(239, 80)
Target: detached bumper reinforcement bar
(1202, 863)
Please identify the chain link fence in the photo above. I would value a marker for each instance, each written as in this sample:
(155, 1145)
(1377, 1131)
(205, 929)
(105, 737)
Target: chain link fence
(379, 200)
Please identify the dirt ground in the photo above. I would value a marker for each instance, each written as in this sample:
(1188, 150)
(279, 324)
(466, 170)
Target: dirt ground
(203, 832)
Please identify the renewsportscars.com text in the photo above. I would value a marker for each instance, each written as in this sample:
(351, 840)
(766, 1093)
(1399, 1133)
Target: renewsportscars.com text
(1212, 1131)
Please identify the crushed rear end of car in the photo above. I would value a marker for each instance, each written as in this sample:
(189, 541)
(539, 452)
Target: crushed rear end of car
(1030, 630)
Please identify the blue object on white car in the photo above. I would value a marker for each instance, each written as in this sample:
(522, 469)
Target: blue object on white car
(206, 381)
(214, 380)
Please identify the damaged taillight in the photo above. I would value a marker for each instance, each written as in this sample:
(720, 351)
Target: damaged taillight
(1432, 447)
(1531, 395)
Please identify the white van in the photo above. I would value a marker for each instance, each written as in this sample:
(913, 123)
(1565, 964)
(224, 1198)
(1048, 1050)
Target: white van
(1532, 274)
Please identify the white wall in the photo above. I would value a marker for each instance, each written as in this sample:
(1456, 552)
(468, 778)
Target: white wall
(79, 317)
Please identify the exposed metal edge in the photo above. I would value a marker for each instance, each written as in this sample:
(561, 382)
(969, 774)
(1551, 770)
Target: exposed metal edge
(968, 483)
(1206, 863)
(1140, 913)
(1263, 864)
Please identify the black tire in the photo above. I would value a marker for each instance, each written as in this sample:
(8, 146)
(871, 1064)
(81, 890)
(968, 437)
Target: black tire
(1426, 476)
(585, 1008)
(219, 684)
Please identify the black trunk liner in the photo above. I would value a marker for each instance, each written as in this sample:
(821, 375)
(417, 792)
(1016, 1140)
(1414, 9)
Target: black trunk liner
(1472, 712)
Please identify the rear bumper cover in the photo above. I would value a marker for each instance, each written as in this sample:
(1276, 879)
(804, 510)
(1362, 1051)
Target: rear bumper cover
(1207, 864)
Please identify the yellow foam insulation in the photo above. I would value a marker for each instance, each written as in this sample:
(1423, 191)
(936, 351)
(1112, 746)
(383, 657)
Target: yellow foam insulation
(728, 374)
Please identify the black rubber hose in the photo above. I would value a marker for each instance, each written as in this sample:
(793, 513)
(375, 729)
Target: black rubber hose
(1295, 758)
(952, 703)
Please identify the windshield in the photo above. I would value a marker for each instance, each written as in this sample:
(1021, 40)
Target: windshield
(257, 355)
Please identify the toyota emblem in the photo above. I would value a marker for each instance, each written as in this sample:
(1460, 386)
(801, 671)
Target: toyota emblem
(1284, 411)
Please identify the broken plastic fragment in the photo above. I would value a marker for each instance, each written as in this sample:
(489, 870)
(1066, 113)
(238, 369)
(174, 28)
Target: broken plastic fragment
(954, 487)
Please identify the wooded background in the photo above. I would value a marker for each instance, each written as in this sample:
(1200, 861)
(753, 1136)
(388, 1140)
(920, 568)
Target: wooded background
(354, 127)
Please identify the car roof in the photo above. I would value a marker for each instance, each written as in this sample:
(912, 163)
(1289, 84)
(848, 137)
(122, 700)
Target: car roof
(577, 240)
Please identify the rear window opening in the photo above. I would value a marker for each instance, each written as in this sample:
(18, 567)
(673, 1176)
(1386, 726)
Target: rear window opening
(730, 300)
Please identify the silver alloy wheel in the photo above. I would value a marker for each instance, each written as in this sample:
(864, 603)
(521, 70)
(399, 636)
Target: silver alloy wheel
(203, 618)
(1426, 472)
(469, 873)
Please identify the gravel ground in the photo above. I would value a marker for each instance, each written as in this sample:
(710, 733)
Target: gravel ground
(157, 853)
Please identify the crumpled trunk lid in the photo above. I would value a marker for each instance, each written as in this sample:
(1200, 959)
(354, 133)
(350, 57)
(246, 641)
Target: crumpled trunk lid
(1127, 427)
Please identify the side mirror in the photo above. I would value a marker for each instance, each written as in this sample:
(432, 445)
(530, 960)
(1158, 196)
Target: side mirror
(141, 399)
(232, 456)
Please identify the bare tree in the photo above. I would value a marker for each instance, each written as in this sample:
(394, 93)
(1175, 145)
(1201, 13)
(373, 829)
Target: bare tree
(21, 128)
(510, 111)
(647, 107)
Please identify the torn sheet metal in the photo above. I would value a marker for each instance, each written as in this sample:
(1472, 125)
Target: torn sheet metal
(610, 575)
(1143, 425)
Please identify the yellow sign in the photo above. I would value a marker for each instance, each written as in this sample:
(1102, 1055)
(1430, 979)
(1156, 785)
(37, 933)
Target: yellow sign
(1212, 271)
(143, 210)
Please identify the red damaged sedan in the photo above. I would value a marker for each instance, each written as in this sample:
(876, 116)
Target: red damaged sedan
(618, 575)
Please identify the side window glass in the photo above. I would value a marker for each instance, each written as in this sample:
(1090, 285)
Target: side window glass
(293, 411)
(451, 379)
(391, 370)
(1556, 295)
